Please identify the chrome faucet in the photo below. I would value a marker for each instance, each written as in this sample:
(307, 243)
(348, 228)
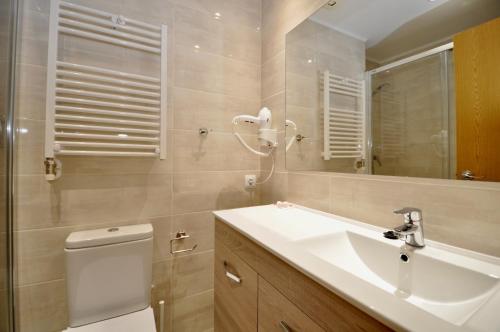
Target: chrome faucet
(412, 231)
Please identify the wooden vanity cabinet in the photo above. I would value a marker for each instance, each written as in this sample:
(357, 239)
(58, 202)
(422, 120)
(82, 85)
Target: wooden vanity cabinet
(257, 291)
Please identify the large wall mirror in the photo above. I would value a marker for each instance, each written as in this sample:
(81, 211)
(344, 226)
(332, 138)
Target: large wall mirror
(391, 87)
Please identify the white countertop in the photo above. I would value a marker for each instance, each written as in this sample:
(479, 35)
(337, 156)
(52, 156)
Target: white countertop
(285, 231)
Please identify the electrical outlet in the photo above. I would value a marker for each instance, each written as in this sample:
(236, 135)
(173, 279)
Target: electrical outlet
(250, 181)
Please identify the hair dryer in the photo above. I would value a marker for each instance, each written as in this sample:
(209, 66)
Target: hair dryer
(267, 136)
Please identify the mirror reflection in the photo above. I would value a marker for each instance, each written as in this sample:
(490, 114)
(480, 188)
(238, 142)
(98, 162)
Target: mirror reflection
(390, 87)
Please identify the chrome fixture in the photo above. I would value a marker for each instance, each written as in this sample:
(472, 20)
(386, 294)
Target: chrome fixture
(181, 235)
(231, 276)
(412, 231)
(469, 175)
(284, 326)
(404, 257)
(379, 88)
(299, 138)
(203, 131)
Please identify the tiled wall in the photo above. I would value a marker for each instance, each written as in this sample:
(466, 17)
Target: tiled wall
(208, 85)
(459, 213)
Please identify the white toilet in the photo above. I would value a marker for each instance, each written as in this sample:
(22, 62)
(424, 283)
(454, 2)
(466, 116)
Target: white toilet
(109, 279)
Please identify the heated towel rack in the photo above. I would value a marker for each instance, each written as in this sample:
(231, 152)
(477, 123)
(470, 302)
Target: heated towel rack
(95, 111)
(343, 126)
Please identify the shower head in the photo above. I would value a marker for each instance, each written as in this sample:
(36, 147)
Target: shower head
(379, 88)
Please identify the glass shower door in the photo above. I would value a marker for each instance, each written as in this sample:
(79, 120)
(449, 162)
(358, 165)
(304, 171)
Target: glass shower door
(410, 119)
(8, 15)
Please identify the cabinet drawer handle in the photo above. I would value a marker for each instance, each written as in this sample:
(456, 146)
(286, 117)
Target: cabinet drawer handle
(284, 326)
(231, 276)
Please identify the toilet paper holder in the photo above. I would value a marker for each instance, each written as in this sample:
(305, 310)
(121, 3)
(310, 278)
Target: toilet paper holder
(181, 235)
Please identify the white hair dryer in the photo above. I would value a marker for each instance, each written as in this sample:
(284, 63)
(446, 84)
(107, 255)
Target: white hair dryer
(266, 135)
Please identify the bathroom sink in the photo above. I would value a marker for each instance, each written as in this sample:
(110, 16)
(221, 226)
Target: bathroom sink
(430, 279)
(434, 288)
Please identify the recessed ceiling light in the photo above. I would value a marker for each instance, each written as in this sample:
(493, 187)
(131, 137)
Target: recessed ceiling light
(332, 3)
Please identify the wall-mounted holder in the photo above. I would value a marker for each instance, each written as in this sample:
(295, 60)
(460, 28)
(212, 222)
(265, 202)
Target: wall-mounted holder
(181, 235)
(203, 131)
(52, 169)
(299, 138)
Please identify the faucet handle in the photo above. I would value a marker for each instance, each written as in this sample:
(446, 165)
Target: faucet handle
(410, 213)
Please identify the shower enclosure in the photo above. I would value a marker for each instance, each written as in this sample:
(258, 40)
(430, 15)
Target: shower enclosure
(8, 15)
(411, 129)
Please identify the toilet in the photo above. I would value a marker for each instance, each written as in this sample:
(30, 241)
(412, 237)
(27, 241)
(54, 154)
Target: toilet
(109, 275)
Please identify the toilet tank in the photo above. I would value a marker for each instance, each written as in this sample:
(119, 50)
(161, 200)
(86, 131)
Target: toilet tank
(108, 272)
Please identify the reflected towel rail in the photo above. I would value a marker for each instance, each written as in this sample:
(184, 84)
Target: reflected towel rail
(344, 128)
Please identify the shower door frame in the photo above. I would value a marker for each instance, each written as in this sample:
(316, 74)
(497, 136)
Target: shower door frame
(368, 94)
(9, 160)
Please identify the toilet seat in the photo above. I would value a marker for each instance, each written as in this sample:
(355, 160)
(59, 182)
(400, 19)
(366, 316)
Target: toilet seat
(139, 321)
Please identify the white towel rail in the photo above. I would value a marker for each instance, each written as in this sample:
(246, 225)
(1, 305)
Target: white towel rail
(118, 137)
(108, 72)
(95, 111)
(86, 110)
(344, 128)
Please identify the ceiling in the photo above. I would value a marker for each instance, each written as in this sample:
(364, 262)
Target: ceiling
(397, 28)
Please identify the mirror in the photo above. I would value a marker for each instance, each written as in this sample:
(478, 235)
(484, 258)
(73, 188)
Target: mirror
(391, 87)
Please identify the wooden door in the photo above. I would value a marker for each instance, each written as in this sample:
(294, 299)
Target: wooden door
(477, 77)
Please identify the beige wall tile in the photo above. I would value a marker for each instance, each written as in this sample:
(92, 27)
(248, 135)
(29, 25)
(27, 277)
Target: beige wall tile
(194, 109)
(275, 189)
(42, 307)
(194, 313)
(33, 27)
(198, 70)
(206, 191)
(91, 199)
(213, 152)
(309, 190)
(162, 229)
(217, 34)
(192, 274)
(30, 92)
(40, 255)
(273, 75)
(239, 12)
(161, 291)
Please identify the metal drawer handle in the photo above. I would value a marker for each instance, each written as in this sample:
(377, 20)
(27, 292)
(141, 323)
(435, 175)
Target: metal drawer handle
(284, 326)
(231, 276)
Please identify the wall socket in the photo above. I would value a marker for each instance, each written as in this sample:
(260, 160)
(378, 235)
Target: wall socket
(250, 181)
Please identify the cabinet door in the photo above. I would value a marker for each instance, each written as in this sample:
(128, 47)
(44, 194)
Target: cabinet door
(235, 292)
(277, 313)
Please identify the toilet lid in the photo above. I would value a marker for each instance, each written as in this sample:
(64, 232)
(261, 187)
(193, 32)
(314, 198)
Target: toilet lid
(139, 321)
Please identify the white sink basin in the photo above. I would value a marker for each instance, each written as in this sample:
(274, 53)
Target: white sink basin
(432, 282)
(440, 288)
